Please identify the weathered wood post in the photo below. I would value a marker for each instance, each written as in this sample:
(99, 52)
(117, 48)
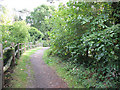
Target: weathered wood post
(1, 68)
(21, 49)
(13, 53)
(18, 55)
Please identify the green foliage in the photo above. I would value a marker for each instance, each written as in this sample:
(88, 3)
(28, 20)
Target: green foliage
(46, 43)
(86, 30)
(5, 35)
(115, 12)
(104, 43)
(17, 33)
(35, 35)
(37, 19)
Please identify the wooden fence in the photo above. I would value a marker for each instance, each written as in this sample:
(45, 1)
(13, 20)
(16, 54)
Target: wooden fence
(17, 50)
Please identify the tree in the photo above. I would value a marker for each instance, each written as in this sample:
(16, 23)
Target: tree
(37, 18)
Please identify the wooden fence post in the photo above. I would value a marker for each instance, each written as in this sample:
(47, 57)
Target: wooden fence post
(13, 53)
(1, 68)
(18, 55)
(21, 49)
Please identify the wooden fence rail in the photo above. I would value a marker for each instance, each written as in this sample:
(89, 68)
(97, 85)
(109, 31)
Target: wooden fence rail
(21, 47)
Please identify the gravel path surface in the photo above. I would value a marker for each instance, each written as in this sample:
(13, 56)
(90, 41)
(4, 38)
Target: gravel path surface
(44, 76)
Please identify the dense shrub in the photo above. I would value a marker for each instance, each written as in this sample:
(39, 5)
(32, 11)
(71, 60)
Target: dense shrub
(35, 35)
(46, 43)
(85, 33)
(17, 33)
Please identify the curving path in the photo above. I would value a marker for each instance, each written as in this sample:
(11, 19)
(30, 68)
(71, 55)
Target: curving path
(44, 76)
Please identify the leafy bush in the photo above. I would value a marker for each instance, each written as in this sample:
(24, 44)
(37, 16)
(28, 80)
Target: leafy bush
(46, 43)
(17, 33)
(35, 35)
(5, 35)
(85, 33)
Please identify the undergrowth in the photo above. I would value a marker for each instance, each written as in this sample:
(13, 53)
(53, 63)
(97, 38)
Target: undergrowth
(78, 75)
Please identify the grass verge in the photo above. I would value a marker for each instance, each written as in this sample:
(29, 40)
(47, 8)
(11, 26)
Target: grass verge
(20, 73)
(60, 67)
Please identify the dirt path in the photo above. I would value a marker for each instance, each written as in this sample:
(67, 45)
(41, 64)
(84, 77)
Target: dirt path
(44, 76)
